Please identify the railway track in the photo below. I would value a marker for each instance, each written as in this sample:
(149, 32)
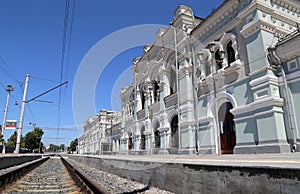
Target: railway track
(52, 175)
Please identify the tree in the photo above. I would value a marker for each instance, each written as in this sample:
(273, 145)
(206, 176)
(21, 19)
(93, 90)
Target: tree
(53, 148)
(11, 141)
(1, 138)
(32, 139)
(62, 147)
(73, 145)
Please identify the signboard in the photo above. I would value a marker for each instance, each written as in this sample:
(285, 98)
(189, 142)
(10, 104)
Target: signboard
(11, 124)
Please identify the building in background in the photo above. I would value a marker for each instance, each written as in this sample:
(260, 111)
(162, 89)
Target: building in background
(95, 140)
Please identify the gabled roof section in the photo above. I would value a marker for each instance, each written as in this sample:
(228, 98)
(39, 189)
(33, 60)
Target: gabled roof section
(183, 9)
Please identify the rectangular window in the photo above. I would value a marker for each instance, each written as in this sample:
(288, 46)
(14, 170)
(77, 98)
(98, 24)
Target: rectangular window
(292, 65)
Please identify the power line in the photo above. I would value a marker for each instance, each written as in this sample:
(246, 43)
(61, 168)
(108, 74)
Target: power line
(65, 28)
(70, 38)
(68, 51)
(45, 79)
(51, 128)
(16, 102)
(9, 71)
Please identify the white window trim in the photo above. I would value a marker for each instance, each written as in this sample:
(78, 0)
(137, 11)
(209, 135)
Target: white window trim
(289, 65)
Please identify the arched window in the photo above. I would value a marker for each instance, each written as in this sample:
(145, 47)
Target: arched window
(219, 62)
(174, 132)
(230, 53)
(173, 81)
(198, 73)
(156, 91)
(157, 138)
(207, 66)
(143, 98)
(143, 139)
(130, 144)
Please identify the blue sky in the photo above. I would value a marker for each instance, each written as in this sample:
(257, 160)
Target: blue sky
(31, 38)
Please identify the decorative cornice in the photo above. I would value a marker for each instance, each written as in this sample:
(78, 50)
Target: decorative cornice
(289, 49)
(265, 79)
(216, 21)
(255, 26)
(286, 6)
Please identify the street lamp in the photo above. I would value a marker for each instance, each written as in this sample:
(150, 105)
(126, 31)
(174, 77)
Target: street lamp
(200, 56)
(8, 89)
(212, 49)
(177, 83)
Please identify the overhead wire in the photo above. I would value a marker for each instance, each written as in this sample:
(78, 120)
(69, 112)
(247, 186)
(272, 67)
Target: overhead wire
(63, 51)
(9, 73)
(70, 39)
(69, 49)
(44, 79)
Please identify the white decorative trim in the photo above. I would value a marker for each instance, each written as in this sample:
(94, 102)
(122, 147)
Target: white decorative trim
(206, 126)
(234, 67)
(265, 102)
(269, 79)
(257, 25)
(273, 110)
(263, 93)
(205, 119)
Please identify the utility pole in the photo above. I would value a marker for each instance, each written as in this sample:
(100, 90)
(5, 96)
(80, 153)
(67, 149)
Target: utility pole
(22, 116)
(8, 88)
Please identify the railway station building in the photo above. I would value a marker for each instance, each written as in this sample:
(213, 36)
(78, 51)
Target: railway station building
(96, 137)
(225, 84)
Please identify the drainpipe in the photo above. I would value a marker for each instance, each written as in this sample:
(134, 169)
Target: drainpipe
(276, 63)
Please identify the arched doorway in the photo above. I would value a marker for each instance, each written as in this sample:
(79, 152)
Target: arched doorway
(143, 139)
(227, 128)
(156, 136)
(130, 143)
(174, 132)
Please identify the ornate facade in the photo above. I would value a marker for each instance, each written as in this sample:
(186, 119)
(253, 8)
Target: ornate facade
(207, 86)
(225, 84)
(95, 138)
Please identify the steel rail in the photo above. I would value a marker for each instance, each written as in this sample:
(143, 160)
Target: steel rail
(94, 186)
(13, 175)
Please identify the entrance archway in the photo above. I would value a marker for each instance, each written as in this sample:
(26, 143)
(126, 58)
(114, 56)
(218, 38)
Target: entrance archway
(227, 128)
(143, 139)
(156, 136)
(174, 132)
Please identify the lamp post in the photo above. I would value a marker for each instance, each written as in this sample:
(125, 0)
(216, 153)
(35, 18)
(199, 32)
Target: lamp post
(22, 116)
(177, 83)
(194, 92)
(150, 116)
(212, 50)
(8, 89)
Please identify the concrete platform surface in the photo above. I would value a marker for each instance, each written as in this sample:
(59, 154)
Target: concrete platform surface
(291, 160)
